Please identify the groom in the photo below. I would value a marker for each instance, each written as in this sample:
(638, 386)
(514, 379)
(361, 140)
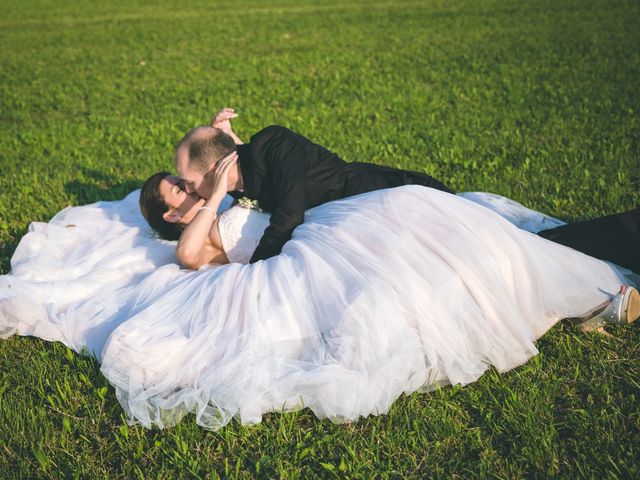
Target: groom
(289, 174)
(286, 173)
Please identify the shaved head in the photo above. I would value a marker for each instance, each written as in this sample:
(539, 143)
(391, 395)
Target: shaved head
(204, 147)
(198, 153)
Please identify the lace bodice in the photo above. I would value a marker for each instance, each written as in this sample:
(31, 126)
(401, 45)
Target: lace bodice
(240, 231)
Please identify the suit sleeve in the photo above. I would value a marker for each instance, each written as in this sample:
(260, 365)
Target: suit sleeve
(288, 167)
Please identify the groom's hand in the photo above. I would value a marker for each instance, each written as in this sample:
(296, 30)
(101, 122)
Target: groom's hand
(222, 120)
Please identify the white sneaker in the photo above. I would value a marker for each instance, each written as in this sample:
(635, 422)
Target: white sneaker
(622, 309)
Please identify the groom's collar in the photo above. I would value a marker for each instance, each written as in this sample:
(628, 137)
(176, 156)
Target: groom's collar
(246, 170)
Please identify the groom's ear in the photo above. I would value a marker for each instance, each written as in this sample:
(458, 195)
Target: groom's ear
(208, 174)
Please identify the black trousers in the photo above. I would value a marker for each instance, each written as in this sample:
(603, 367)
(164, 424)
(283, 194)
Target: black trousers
(365, 177)
(615, 238)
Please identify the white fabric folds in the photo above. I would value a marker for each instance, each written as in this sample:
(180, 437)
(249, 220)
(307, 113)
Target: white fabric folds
(376, 295)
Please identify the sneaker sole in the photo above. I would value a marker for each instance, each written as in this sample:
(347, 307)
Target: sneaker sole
(633, 306)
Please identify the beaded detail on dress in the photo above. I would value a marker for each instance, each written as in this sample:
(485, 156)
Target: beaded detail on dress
(240, 232)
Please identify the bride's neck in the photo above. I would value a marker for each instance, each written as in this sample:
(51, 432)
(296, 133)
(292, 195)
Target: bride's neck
(193, 210)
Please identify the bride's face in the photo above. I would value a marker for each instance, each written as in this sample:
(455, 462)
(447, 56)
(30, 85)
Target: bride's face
(182, 205)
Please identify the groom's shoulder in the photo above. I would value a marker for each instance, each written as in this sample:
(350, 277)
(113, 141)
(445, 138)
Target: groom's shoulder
(270, 131)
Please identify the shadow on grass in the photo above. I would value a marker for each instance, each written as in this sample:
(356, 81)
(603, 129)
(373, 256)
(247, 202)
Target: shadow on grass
(7, 249)
(93, 186)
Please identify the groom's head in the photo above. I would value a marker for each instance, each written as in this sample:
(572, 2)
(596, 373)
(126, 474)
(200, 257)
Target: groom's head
(198, 153)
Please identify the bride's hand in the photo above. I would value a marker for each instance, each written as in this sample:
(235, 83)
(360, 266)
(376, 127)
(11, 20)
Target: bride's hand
(194, 247)
(221, 174)
(222, 120)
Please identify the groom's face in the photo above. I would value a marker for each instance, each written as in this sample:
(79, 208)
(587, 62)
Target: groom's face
(194, 181)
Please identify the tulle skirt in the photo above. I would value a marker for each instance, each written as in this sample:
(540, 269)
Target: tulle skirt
(376, 295)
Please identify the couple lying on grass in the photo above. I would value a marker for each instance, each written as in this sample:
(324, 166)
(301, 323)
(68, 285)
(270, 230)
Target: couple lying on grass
(330, 285)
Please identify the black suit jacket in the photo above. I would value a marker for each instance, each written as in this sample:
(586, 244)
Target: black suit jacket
(287, 174)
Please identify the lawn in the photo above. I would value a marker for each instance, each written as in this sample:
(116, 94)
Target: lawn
(535, 100)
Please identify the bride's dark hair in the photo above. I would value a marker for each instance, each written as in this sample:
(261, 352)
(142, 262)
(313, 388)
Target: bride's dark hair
(153, 207)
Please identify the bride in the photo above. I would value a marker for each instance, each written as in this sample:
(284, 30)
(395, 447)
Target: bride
(384, 293)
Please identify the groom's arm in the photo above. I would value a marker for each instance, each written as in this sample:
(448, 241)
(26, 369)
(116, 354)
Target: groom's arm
(288, 166)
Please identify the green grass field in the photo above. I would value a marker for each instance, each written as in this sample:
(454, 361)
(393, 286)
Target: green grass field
(536, 100)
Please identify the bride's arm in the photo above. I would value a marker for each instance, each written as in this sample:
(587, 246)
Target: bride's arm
(194, 248)
(222, 120)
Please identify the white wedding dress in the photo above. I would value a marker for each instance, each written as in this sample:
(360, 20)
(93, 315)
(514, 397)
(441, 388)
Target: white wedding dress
(376, 295)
